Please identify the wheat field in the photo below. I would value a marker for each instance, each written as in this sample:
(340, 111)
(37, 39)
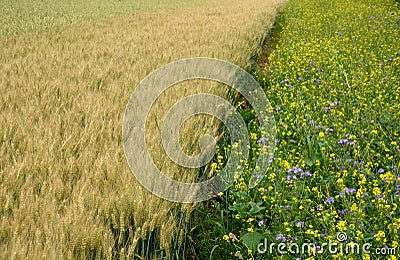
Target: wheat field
(66, 190)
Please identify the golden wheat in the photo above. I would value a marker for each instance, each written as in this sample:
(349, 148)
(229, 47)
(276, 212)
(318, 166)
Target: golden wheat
(66, 190)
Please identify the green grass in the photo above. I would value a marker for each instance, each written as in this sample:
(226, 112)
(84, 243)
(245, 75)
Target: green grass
(333, 79)
(22, 16)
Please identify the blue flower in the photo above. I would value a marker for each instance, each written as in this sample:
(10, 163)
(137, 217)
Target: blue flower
(261, 140)
(285, 81)
(300, 224)
(350, 190)
(330, 200)
(343, 211)
(280, 237)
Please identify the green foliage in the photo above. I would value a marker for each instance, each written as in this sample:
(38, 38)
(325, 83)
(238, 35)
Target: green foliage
(252, 239)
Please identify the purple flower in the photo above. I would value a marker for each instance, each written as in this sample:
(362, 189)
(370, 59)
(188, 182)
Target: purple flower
(261, 140)
(335, 103)
(285, 207)
(318, 81)
(260, 223)
(280, 237)
(296, 172)
(380, 170)
(307, 174)
(329, 130)
(300, 224)
(285, 81)
(349, 191)
(343, 211)
(330, 200)
(346, 141)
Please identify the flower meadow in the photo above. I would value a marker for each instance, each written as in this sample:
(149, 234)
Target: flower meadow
(332, 76)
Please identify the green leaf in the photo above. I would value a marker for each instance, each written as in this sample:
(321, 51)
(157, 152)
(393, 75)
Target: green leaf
(212, 251)
(239, 208)
(369, 237)
(308, 161)
(251, 240)
(219, 225)
(255, 207)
